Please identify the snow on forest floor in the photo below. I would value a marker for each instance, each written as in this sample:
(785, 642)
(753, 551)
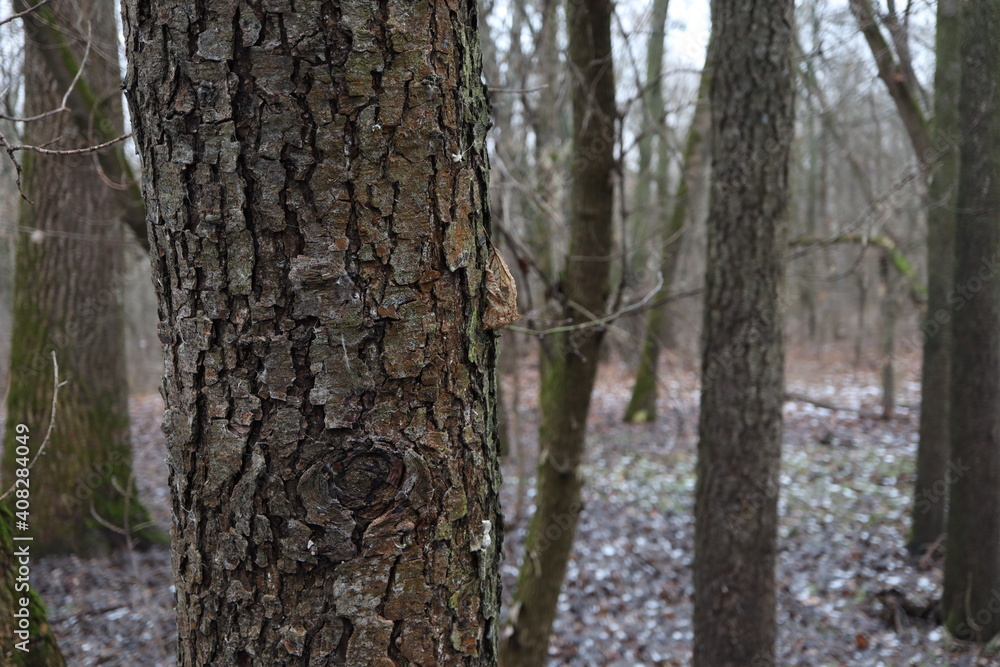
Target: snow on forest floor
(846, 484)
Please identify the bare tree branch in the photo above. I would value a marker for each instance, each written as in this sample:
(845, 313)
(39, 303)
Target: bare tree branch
(900, 88)
(56, 384)
(72, 151)
(27, 11)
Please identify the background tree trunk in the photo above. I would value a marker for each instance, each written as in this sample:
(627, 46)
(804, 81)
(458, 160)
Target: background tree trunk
(642, 404)
(95, 116)
(67, 297)
(568, 374)
(887, 307)
(739, 448)
(972, 568)
(930, 493)
(318, 216)
(648, 205)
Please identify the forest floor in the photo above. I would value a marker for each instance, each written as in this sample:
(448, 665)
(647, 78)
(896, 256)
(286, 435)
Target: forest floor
(844, 576)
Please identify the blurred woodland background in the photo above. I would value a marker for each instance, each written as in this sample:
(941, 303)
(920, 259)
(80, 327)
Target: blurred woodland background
(853, 178)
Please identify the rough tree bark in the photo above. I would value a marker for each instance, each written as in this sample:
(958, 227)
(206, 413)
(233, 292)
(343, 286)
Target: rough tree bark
(739, 448)
(972, 568)
(67, 298)
(316, 182)
(930, 493)
(571, 367)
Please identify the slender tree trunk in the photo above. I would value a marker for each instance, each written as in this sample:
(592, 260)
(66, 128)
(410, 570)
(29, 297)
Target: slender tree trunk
(813, 183)
(318, 216)
(887, 308)
(544, 116)
(931, 486)
(569, 373)
(859, 336)
(936, 152)
(739, 448)
(972, 570)
(647, 211)
(642, 405)
(67, 298)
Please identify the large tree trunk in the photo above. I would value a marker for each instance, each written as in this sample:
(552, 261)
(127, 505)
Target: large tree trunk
(67, 299)
(642, 405)
(931, 486)
(739, 448)
(318, 216)
(972, 570)
(570, 370)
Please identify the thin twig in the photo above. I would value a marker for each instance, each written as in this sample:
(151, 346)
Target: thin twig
(27, 11)
(30, 119)
(517, 91)
(17, 166)
(801, 398)
(56, 384)
(79, 69)
(104, 522)
(74, 151)
(595, 321)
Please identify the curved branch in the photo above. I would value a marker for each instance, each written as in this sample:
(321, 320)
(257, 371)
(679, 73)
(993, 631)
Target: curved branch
(918, 291)
(898, 84)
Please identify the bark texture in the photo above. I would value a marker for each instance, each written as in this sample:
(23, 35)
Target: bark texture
(68, 297)
(316, 183)
(931, 485)
(972, 570)
(740, 427)
(573, 355)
